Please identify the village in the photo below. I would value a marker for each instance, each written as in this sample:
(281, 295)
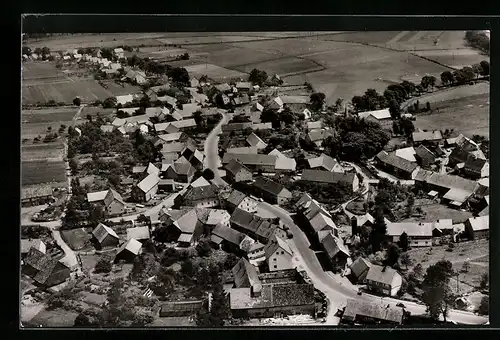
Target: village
(230, 203)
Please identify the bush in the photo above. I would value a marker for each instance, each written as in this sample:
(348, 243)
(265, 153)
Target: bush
(103, 266)
(203, 248)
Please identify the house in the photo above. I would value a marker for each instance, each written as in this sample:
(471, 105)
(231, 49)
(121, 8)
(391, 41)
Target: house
(458, 155)
(359, 269)
(278, 254)
(427, 137)
(258, 107)
(27, 244)
(382, 117)
(406, 153)
(225, 87)
(262, 126)
(199, 182)
(396, 165)
(272, 300)
(243, 86)
(325, 162)
(358, 312)
(235, 127)
(179, 172)
(294, 103)
(271, 191)
(285, 165)
(241, 201)
(383, 280)
(334, 248)
(326, 177)
(442, 227)
(317, 125)
(202, 197)
(419, 234)
(147, 188)
(477, 227)
(43, 269)
(105, 236)
(307, 114)
(107, 128)
(424, 157)
(180, 308)
(227, 239)
(243, 150)
(321, 222)
(138, 233)
(256, 227)
(183, 226)
(114, 203)
(265, 163)
(217, 217)
(237, 172)
(464, 143)
(97, 197)
(242, 99)
(128, 251)
(245, 275)
(477, 168)
(179, 137)
(187, 110)
(317, 136)
(36, 195)
(255, 141)
(124, 99)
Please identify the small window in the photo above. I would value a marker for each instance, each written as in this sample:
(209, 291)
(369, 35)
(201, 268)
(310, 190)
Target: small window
(274, 259)
(282, 252)
(275, 266)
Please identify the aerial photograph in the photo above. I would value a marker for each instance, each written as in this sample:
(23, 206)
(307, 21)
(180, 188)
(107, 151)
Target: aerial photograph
(239, 179)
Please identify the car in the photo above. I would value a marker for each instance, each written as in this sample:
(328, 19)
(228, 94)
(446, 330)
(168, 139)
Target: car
(401, 305)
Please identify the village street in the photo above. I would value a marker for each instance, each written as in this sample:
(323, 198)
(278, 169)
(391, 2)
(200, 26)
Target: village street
(211, 149)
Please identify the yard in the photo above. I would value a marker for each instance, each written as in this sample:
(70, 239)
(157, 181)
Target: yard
(436, 211)
(477, 252)
(77, 239)
(43, 171)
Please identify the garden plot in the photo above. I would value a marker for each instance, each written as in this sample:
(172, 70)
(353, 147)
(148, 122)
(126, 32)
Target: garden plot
(43, 171)
(87, 90)
(283, 66)
(45, 151)
(38, 70)
(50, 115)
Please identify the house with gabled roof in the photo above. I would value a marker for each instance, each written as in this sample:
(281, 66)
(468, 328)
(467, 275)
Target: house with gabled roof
(140, 234)
(43, 269)
(270, 191)
(97, 197)
(36, 194)
(256, 227)
(199, 182)
(382, 117)
(357, 312)
(147, 188)
(237, 172)
(114, 203)
(227, 238)
(179, 171)
(477, 168)
(255, 141)
(105, 236)
(359, 269)
(325, 162)
(427, 137)
(278, 254)
(128, 251)
(424, 157)
(477, 227)
(262, 126)
(202, 197)
(245, 275)
(243, 150)
(27, 244)
(383, 280)
(319, 176)
(266, 163)
(237, 199)
(334, 247)
(419, 233)
(398, 166)
(317, 136)
(406, 153)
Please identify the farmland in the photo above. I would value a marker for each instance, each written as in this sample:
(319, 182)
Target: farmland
(213, 71)
(45, 151)
(43, 171)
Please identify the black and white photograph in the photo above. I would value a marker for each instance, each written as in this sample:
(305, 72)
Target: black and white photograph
(255, 179)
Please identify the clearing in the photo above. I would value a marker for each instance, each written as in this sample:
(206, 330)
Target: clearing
(436, 211)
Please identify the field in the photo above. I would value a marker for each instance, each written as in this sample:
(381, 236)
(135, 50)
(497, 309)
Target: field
(37, 70)
(45, 151)
(43, 171)
(436, 211)
(115, 89)
(468, 115)
(55, 318)
(213, 71)
(477, 252)
(52, 115)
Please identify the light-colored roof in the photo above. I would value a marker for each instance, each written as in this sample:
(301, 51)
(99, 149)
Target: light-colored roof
(382, 274)
(322, 222)
(427, 136)
(407, 153)
(26, 245)
(245, 274)
(373, 310)
(138, 233)
(250, 159)
(262, 126)
(243, 150)
(256, 141)
(132, 246)
(444, 180)
(170, 137)
(35, 191)
(457, 195)
(152, 169)
(319, 134)
(274, 243)
(315, 125)
(107, 128)
(200, 182)
(283, 163)
(277, 153)
(326, 162)
(148, 183)
(360, 266)
(119, 122)
(410, 228)
(295, 99)
(216, 216)
(101, 231)
(479, 223)
(127, 98)
(377, 114)
(188, 109)
(97, 196)
(444, 224)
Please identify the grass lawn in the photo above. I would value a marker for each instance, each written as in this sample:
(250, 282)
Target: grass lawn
(77, 239)
(438, 211)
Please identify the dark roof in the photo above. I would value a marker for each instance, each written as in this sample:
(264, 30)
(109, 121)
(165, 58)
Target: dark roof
(184, 168)
(198, 193)
(35, 191)
(327, 176)
(397, 162)
(111, 196)
(245, 274)
(424, 153)
(43, 263)
(181, 306)
(250, 159)
(445, 180)
(460, 156)
(236, 197)
(252, 223)
(234, 167)
(228, 234)
(475, 164)
(236, 126)
(271, 187)
(373, 310)
(292, 294)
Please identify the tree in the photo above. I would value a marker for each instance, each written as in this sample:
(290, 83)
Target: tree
(379, 230)
(109, 102)
(187, 268)
(394, 109)
(393, 255)
(208, 174)
(437, 294)
(203, 248)
(73, 164)
(143, 219)
(428, 81)
(26, 50)
(465, 267)
(403, 241)
(468, 73)
(427, 106)
(406, 260)
(178, 75)
(198, 118)
(409, 204)
(485, 66)
(484, 307)
(477, 70)
(483, 283)
(103, 266)
(219, 311)
(317, 100)
(447, 78)
(395, 128)
(257, 77)
(38, 50)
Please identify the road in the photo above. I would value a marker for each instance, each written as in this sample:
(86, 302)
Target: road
(75, 118)
(211, 148)
(338, 292)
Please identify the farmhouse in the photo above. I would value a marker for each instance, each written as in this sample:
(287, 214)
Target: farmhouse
(406, 153)
(105, 236)
(227, 239)
(285, 165)
(180, 308)
(27, 244)
(262, 126)
(124, 99)
(318, 176)
(477, 168)
(272, 300)
(217, 217)
(97, 197)
(324, 162)
(179, 171)
(419, 234)
(278, 254)
(294, 103)
(317, 136)
(237, 199)
(114, 203)
(424, 157)
(427, 137)
(477, 227)
(243, 150)
(199, 182)
(237, 172)
(138, 233)
(252, 225)
(128, 251)
(245, 275)
(187, 110)
(255, 141)
(202, 197)
(358, 312)
(359, 269)
(396, 165)
(334, 247)
(382, 117)
(147, 188)
(271, 191)
(43, 269)
(36, 195)
(383, 279)
(265, 163)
